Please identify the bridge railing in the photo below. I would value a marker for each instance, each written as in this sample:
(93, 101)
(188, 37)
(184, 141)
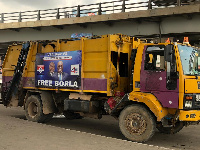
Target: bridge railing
(91, 9)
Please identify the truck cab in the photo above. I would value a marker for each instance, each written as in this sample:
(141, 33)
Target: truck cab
(167, 85)
(171, 73)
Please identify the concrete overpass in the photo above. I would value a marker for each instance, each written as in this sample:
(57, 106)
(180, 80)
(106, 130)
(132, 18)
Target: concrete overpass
(175, 21)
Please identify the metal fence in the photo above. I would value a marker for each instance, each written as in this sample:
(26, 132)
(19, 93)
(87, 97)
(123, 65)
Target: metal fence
(92, 9)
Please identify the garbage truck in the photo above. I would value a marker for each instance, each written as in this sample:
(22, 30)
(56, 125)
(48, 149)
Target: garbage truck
(143, 85)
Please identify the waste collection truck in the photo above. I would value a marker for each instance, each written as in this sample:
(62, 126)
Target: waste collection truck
(143, 85)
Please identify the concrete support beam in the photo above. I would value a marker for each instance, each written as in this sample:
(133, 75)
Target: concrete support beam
(149, 27)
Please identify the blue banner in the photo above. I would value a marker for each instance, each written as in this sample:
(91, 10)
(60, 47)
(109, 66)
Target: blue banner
(58, 69)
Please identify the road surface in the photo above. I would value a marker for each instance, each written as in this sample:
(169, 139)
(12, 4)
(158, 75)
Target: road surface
(85, 134)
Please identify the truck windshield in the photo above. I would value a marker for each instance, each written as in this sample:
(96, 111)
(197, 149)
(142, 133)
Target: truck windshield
(190, 59)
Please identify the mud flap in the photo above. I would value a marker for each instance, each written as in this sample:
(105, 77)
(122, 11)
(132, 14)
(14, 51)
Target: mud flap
(47, 102)
(118, 106)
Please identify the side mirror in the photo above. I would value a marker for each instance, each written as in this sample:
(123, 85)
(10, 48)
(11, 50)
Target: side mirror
(168, 51)
(171, 67)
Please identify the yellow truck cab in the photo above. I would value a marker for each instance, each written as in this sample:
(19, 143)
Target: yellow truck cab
(143, 85)
(167, 83)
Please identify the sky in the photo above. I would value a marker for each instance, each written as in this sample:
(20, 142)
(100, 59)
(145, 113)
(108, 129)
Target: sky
(7, 6)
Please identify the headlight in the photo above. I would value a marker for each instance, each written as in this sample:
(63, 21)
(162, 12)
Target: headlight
(188, 104)
(197, 98)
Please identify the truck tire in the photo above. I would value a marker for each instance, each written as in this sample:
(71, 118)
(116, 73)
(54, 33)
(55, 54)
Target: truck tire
(170, 130)
(137, 123)
(34, 111)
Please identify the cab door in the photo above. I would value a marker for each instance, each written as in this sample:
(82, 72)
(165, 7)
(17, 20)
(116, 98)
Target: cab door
(155, 72)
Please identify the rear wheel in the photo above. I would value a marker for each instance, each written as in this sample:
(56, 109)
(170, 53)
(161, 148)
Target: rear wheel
(34, 111)
(137, 123)
(170, 130)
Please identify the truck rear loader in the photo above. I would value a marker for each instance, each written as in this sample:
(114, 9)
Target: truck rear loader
(143, 85)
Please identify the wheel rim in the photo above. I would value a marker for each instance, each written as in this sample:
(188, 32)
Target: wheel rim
(32, 109)
(135, 124)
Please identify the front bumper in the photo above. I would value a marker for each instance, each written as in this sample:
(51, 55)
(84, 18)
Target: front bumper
(189, 115)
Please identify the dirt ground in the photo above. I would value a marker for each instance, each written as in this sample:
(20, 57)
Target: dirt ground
(16, 133)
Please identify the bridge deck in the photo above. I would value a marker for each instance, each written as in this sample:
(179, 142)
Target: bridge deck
(159, 12)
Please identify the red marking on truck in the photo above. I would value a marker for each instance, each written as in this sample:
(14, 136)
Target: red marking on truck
(40, 68)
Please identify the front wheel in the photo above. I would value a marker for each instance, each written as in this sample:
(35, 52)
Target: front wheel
(34, 111)
(137, 123)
